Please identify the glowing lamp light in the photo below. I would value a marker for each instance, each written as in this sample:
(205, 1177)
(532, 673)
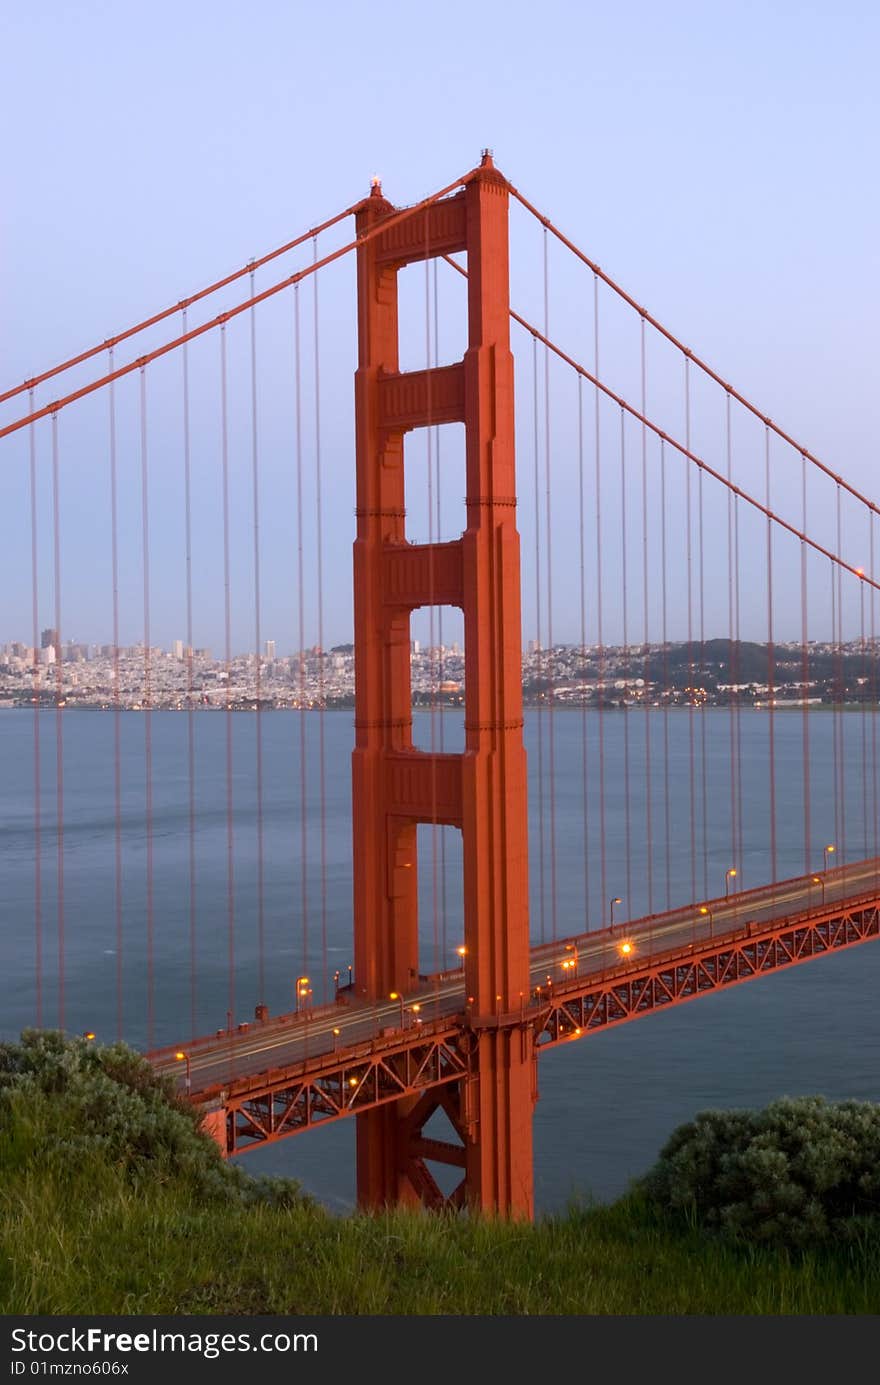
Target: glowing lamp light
(626, 948)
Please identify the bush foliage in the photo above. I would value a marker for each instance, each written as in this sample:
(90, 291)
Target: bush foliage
(67, 1103)
(801, 1172)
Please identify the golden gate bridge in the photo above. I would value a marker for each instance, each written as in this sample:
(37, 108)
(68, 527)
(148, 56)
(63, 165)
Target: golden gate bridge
(659, 503)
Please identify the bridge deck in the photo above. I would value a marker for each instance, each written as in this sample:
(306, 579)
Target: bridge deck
(289, 1073)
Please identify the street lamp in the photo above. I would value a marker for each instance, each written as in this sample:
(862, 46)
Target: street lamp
(396, 995)
(184, 1058)
(336, 1032)
(615, 900)
(461, 952)
(707, 913)
(89, 1034)
(571, 963)
(626, 949)
(728, 876)
(336, 976)
(826, 852)
(302, 992)
(820, 880)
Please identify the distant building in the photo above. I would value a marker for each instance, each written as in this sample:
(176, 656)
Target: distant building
(177, 649)
(270, 650)
(49, 640)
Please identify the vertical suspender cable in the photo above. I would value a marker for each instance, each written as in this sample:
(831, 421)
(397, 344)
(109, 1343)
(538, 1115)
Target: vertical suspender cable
(59, 722)
(625, 593)
(835, 699)
(732, 660)
(875, 806)
(319, 542)
(771, 665)
(583, 691)
(432, 613)
(258, 642)
(864, 721)
(227, 637)
(841, 689)
(551, 749)
(117, 718)
(667, 817)
(147, 706)
(438, 531)
(599, 624)
(704, 787)
(540, 653)
(190, 710)
(690, 634)
(805, 672)
(300, 578)
(36, 698)
(737, 609)
(649, 808)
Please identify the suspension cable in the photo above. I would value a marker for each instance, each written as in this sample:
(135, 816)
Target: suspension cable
(684, 451)
(686, 351)
(380, 228)
(184, 303)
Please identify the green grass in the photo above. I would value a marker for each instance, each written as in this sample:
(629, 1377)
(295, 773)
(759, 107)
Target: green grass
(91, 1226)
(100, 1247)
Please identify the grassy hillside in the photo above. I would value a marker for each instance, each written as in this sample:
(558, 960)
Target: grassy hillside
(112, 1202)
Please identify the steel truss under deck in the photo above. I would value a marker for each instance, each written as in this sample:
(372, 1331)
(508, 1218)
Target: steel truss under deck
(433, 1062)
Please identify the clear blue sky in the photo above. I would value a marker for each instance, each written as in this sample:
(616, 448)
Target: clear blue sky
(719, 159)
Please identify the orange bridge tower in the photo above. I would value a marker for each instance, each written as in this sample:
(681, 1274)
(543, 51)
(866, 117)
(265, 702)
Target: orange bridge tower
(395, 786)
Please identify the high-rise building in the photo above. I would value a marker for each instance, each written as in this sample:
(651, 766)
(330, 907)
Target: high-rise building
(270, 649)
(49, 640)
(177, 649)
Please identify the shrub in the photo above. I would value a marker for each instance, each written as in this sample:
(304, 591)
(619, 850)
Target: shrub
(800, 1172)
(68, 1103)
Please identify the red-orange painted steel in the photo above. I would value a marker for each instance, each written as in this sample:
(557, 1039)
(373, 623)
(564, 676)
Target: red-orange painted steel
(680, 447)
(432, 1065)
(495, 1103)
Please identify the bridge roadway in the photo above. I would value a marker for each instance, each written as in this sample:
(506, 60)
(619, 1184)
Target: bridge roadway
(291, 1038)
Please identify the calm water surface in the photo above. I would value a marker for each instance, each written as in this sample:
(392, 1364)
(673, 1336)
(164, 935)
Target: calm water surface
(607, 1103)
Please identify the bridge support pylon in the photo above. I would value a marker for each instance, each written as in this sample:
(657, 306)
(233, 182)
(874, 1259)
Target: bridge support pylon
(395, 786)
